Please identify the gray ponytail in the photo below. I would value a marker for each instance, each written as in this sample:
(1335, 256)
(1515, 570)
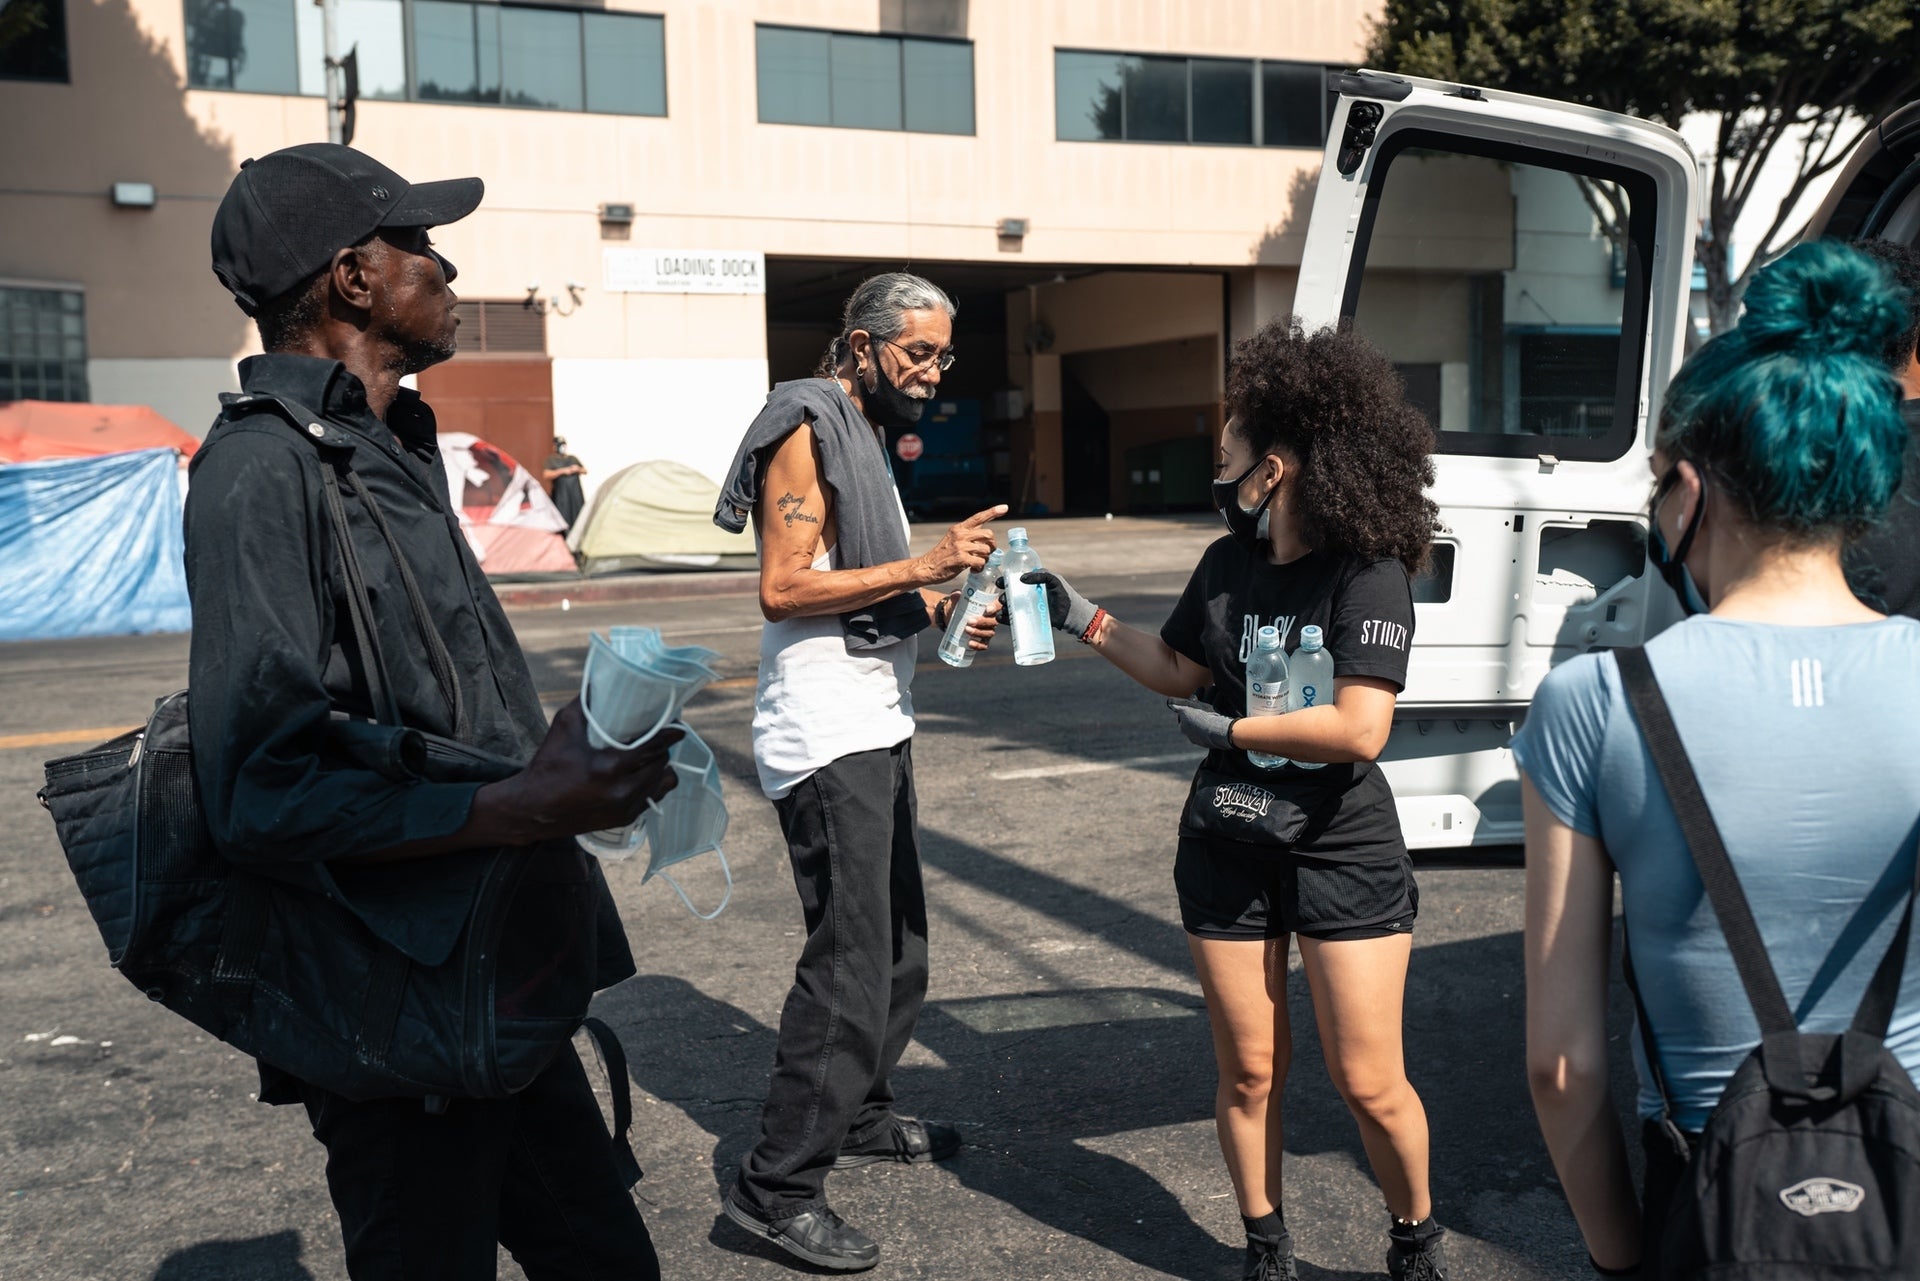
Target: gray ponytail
(878, 305)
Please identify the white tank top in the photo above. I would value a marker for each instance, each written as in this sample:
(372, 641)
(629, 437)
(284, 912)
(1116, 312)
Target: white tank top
(818, 701)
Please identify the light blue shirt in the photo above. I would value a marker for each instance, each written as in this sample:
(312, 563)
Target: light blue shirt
(1806, 741)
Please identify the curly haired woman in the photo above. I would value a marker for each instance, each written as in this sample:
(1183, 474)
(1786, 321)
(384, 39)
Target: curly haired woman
(1323, 469)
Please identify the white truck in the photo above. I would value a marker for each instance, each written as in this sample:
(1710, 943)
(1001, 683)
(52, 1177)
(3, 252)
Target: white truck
(1528, 264)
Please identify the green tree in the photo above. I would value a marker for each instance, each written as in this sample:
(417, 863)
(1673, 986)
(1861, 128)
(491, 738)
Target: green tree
(1800, 78)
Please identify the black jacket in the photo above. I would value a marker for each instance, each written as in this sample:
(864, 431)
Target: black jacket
(281, 781)
(1883, 568)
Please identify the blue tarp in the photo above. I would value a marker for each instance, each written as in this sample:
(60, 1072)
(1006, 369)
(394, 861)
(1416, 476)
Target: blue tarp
(92, 547)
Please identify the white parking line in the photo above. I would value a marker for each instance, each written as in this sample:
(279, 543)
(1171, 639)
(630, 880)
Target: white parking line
(1090, 767)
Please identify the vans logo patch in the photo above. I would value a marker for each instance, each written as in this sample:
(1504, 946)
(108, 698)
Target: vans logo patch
(1379, 631)
(1823, 1196)
(1238, 800)
(1809, 683)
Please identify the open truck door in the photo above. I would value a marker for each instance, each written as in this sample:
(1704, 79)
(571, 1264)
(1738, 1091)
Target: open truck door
(1527, 264)
(1877, 195)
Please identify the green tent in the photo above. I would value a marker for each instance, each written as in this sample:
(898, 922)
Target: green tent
(657, 515)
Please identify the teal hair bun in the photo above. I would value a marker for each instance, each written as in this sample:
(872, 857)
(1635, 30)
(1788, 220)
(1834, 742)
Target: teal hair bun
(1824, 298)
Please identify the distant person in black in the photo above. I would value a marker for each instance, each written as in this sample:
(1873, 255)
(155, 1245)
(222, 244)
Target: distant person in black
(562, 473)
(327, 250)
(1883, 566)
(1323, 468)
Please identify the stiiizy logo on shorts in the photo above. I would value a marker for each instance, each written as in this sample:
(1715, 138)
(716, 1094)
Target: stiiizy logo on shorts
(1242, 802)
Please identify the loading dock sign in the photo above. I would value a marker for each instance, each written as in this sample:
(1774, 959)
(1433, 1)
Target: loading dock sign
(684, 271)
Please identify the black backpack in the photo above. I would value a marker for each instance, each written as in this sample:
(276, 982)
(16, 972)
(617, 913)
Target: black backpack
(1809, 1166)
(275, 961)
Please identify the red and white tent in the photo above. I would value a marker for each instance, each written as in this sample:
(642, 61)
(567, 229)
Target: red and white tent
(511, 524)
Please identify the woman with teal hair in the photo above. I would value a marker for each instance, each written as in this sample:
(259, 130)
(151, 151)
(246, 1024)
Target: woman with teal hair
(1799, 708)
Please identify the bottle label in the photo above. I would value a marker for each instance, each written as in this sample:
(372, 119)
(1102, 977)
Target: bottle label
(1307, 695)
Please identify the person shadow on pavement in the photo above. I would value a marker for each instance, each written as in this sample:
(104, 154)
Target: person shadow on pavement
(1030, 1082)
(268, 1258)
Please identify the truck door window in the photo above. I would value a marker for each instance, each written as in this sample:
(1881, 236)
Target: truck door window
(1510, 286)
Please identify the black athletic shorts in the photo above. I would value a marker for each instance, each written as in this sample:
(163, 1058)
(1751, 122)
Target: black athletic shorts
(1233, 891)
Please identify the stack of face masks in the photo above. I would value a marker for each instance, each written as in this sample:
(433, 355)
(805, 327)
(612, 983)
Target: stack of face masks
(634, 685)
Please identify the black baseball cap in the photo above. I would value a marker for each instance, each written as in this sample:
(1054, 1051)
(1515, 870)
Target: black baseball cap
(289, 212)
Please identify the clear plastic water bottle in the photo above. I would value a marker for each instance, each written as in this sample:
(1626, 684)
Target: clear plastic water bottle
(1311, 670)
(1026, 604)
(1267, 687)
(976, 599)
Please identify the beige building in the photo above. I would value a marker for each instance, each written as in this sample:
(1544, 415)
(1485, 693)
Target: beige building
(680, 196)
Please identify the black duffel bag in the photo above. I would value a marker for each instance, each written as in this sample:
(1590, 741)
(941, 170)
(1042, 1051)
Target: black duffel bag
(280, 961)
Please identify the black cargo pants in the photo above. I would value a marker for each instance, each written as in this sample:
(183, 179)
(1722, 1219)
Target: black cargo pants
(861, 978)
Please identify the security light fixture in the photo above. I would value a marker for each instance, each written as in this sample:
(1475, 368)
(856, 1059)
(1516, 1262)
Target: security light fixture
(621, 214)
(1014, 228)
(134, 195)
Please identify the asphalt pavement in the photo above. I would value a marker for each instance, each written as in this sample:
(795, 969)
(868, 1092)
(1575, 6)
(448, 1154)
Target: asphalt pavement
(1064, 1032)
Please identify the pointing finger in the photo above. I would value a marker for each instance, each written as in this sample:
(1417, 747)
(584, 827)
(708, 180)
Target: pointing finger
(981, 518)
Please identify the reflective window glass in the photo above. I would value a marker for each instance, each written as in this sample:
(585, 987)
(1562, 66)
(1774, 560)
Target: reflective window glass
(1491, 281)
(456, 52)
(1222, 100)
(373, 29)
(33, 40)
(865, 74)
(1156, 100)
(43, 345)
(626, 64)
(1088, 91)
(540, 59)
(1292, 98)
(247, 45)
(938, 83)
(792, 66)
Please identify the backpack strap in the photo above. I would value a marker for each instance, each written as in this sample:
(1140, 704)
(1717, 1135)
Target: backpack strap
(1787, 1071)
(385, 709)
(1702, 835)
(613, 1059)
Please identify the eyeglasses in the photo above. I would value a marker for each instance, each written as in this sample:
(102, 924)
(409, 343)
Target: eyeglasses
(919, 356)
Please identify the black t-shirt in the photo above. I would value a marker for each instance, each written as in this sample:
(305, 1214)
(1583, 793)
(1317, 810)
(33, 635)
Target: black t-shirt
(1883, 568)
(1365, 614)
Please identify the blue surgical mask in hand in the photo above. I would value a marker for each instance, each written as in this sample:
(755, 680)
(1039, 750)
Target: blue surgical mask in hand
(688, 821)
(632, 685)
(685, 823)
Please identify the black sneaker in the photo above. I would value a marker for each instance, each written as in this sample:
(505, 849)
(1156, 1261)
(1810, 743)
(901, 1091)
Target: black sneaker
(819, 1236)
(902, 1139)
(1270, 1259)
(1417, 1254)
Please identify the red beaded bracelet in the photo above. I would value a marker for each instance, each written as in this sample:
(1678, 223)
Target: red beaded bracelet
(1086, 637)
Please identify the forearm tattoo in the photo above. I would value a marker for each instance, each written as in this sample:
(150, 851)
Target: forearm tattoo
(791, 509)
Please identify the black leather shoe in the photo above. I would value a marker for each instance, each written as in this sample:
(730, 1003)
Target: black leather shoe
(905, 1140)
(819, 1236)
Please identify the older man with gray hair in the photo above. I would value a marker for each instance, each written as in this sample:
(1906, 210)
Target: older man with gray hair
(832, 731)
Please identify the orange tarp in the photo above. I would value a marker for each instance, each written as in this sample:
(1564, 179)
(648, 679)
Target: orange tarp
(34, 429)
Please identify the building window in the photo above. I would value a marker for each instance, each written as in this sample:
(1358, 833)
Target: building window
(437, 51)
(1119, 97)
(43, 344)
(33, 40)
(854, 81)
(490, 327)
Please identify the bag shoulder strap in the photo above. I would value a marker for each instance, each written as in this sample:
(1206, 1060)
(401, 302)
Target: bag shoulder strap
(385, 709)
(620, 1087)
(1729, 901)
(1702, 836)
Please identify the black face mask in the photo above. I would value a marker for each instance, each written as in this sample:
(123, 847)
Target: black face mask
(1249, 528)
(885, 405)
(1672, 565)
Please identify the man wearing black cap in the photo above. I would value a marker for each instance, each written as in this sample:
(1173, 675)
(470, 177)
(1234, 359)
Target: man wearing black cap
(328, 251)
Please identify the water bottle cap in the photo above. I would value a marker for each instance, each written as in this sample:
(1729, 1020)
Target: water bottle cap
(994, 560)
(1310, 638)
(1018, 534)
(1267, 638)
